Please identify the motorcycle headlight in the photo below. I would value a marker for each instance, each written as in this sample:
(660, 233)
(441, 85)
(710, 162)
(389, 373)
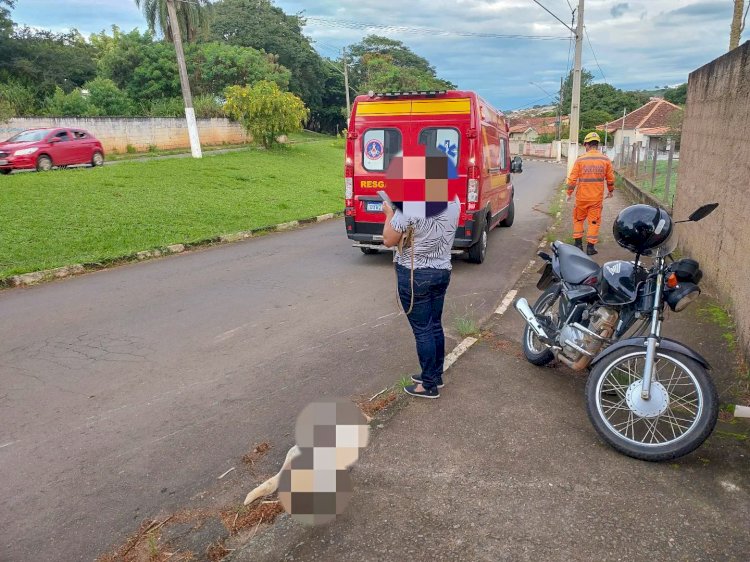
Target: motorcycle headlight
(681, 296)
(25, 151)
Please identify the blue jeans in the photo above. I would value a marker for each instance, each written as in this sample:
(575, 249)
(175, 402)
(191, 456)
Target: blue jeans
(430, 286)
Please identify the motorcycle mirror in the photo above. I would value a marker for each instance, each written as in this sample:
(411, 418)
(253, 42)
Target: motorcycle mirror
(702, 212)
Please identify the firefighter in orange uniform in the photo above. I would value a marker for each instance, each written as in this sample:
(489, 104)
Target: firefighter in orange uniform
(589, 175)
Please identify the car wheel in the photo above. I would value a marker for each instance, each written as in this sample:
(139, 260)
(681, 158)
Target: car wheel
(97, 159)
(43, 163)
(5, 171)
(369, 251)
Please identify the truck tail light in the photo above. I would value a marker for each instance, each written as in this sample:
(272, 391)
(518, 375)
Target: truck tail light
(349, 182)
(472, 196)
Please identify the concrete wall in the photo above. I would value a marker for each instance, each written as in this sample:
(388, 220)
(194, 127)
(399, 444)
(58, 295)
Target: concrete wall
(117, 133)
(715, 167)
(532, 149)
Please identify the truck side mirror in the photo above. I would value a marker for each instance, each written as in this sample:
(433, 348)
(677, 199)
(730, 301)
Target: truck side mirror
(516, 165)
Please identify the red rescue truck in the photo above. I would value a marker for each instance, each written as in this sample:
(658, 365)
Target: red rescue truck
(462, 126)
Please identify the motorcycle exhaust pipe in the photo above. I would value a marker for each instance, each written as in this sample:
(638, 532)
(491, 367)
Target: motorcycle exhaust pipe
(523, 308)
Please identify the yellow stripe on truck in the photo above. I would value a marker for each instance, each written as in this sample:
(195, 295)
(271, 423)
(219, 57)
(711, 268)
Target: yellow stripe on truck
(384, 108)
(441, 107)
(416, 107)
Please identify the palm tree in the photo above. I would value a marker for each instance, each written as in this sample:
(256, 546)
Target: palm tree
(191, 14)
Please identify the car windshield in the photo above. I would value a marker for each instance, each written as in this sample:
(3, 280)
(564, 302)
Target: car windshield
(29, 136)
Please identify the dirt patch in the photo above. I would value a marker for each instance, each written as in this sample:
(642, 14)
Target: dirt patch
(371, 408)
(243, 517)
(144, 546)
(506, 346)
(217, 551)
(257, 453)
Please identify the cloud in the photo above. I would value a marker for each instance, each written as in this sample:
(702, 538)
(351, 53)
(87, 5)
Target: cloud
(638, 43)
(619, 9)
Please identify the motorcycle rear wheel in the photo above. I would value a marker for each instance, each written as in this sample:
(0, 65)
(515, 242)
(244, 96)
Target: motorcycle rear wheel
(534, 350)
(676, 420)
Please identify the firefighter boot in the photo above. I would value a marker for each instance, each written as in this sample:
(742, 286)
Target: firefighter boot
(591, 249)
(579, 243)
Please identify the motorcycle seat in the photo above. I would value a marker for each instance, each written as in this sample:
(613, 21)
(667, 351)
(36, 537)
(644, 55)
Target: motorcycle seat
(575, 265)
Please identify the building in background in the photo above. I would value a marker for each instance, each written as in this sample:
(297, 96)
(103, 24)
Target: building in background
(649, 125)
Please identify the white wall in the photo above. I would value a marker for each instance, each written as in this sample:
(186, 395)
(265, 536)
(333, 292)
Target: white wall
(117, 133)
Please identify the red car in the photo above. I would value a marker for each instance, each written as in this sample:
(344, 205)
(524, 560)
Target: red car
(42, 149)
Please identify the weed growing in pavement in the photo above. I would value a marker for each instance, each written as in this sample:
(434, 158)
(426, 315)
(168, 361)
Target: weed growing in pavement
(403, 382)
(719, 316)
(466, 326)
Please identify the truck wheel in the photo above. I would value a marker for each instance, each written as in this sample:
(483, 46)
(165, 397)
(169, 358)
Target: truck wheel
(508, 220)
(369, 251)
(478, 252)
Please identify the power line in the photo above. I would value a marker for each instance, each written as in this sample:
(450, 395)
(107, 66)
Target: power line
(543, 7)
(343, 24)
(594, 52)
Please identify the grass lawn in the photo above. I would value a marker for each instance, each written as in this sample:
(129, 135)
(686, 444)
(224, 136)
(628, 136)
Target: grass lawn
(644, 179)
(88, 215)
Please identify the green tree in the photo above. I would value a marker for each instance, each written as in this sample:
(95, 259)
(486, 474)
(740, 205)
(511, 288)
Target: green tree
(215, 66)
(593, 117)
(21, 98)
(192, 17)
(587, 78)
(73, 104)
(674, 122)
(6, 111)
(6, 24)
(677, 95)
(147, 70)
(106, 98)
(265, 111)
(261, 25)
(44, 60)
(383, 64)
(376, 59)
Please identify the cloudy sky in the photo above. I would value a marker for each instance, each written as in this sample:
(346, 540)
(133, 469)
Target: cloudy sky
(638, 44)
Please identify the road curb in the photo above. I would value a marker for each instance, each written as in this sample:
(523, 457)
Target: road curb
(37, 277)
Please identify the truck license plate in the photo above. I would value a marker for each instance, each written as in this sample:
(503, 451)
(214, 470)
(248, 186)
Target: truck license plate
(374, 207)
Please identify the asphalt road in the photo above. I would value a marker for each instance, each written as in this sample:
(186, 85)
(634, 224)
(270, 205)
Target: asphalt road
(128, 391)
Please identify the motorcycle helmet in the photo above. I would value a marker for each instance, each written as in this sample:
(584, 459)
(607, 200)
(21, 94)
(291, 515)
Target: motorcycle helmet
(642, 228)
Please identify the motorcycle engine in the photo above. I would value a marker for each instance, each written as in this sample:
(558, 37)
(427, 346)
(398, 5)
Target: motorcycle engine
(578, 347)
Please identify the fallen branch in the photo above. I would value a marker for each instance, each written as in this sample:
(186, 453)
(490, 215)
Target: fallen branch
(227, 472)
(379, 393)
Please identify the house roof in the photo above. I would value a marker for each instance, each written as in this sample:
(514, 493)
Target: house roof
(655, 114)
(654, 131)
(520, 128)
(542, 125)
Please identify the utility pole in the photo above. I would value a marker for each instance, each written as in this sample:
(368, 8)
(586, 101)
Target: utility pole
(346, 87)
(575, 108)
(174, 24)
(559, 111)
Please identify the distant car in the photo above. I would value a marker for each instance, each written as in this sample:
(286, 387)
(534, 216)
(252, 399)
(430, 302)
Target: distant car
(43, 149)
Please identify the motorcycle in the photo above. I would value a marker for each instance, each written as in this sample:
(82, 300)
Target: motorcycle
(647, 396)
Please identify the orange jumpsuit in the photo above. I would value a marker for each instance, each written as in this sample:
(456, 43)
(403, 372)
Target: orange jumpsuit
(588, 177)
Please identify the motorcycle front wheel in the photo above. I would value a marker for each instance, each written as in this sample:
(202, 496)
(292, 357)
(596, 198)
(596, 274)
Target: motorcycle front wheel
(680, 414)
(536, 352)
